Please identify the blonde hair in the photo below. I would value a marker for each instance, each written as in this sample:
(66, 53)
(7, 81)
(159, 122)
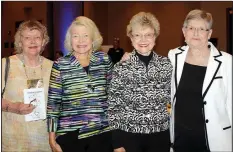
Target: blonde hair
(91, 27)
(31, 25)
(144, 19)
(199, 14)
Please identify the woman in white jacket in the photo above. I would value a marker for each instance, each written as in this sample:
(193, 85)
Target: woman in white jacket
(201, 101)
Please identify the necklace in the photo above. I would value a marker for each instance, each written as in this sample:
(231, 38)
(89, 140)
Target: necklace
(34, 70)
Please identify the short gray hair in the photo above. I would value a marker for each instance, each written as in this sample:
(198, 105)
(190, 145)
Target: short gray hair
(199, 14)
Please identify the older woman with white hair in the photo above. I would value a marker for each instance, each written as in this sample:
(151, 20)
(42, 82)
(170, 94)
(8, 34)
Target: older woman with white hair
(201, 114)
(26, 67)
(77, 102)
(140, 92)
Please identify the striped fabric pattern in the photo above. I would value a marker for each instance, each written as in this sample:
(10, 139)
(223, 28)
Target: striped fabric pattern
(77, 100)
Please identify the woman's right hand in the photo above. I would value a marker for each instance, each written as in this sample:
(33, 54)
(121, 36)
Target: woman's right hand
(122, 149)
(24, 109)
(17, 107)
(55, 147)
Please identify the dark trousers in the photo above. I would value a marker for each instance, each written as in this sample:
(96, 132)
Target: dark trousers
(97, 143)
(136, 142)
(189, 141)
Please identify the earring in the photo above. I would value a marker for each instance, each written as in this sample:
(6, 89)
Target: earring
(93, 46)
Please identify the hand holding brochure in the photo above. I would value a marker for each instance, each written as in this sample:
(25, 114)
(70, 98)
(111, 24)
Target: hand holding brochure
(36, 97)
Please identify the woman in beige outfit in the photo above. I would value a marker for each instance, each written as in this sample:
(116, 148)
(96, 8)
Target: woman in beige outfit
(25, 67)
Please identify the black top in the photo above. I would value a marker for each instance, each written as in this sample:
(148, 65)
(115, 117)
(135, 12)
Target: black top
(189, 102)
(115, 54)
(189, 110)
(145, 59)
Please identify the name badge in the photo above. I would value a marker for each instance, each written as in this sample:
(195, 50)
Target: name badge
(35, 83)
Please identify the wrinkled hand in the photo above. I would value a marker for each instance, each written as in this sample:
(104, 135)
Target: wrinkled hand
(55, 147)
(22, 109)
(122, 149)
(125, 57)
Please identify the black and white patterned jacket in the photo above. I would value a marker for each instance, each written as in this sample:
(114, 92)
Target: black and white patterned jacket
(138, 95)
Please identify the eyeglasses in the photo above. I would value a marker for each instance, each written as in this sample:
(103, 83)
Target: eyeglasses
(138, 37)
(199, 30)
(84, 37)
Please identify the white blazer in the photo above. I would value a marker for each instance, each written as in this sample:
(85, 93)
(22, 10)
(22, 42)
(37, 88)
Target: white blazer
(217, 96)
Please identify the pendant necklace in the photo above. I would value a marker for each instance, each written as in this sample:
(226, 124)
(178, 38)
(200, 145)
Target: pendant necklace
(34, 70)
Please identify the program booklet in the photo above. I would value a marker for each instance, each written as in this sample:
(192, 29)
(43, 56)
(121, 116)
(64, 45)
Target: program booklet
(36, 97)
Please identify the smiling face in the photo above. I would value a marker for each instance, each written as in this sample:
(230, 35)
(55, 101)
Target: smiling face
(31, 42)
(143, 39)
(81, 41)
(197, 33)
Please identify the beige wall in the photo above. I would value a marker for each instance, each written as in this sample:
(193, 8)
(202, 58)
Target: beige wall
(170, 15)
(14, 11)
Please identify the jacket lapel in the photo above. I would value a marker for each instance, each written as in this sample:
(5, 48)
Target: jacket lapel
(179, 64)
(213, 66)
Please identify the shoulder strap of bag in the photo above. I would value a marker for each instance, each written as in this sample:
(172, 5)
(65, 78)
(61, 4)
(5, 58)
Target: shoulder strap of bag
(7, 67)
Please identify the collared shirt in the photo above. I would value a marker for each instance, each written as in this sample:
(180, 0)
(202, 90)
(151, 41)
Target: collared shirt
(139, 94)
(78, 99)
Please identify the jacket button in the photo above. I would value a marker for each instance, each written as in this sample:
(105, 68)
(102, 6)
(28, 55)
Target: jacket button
(204, 103)
(206, 120)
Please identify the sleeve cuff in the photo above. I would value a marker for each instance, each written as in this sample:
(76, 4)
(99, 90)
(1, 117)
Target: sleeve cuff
(52, 124)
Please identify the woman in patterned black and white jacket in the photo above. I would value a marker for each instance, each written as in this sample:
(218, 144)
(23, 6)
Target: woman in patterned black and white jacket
(140, 91)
